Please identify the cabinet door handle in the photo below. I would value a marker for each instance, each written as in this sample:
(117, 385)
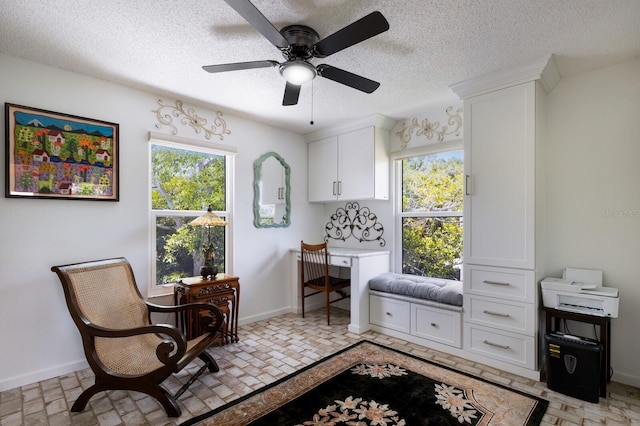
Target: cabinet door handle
(497, 345)
(389, 314)
(495, 282)
(339, 187)
(433, 324)
(466, 185)
(496, 314)
(334, 188)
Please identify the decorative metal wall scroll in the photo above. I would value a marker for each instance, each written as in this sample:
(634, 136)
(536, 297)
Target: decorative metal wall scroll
(356, 222)
(431, 129)
(218, 128)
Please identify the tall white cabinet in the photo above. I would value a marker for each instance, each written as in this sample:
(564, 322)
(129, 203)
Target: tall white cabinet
(504, 138)
(350, 162)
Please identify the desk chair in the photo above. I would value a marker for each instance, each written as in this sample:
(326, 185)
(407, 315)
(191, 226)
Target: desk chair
(314, 273)
(124, 349)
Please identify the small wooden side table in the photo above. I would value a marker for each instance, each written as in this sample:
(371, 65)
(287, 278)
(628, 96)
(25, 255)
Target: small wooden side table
(223, 291)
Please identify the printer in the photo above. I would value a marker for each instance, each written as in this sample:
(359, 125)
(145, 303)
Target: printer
(580, 290)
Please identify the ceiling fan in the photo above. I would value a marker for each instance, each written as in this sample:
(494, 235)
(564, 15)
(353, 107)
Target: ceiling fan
(300, 44)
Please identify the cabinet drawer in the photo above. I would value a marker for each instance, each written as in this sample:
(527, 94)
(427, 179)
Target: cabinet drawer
(514, 284)
(436, 324)
(340, 261)
(513, 348)
(503, 314)
(333, 260)
(390, 313)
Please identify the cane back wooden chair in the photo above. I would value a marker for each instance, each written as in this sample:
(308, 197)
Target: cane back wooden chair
(123, 348)
(314, 271)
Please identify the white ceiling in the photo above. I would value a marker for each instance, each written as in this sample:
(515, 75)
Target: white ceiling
(160, 46)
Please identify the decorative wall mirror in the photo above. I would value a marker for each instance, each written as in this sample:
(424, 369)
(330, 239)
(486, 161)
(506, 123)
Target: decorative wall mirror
(271, 192)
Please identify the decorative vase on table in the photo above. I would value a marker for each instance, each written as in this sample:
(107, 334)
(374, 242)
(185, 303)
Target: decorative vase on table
(208, 270)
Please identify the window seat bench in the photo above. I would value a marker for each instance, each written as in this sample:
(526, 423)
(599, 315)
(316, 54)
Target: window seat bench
(429, 309)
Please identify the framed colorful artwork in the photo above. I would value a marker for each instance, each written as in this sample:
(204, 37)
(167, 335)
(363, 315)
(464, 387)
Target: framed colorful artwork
(54, 155)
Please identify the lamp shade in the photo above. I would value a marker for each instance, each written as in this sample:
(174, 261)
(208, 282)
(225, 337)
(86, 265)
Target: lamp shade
(209, 219)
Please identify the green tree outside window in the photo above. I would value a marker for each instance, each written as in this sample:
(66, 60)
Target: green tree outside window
(432, 199)
(184, 183)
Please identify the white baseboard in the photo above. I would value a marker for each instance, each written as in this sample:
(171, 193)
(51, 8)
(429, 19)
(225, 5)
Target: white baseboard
(38, 376)
(626, 379)
(262, 316)
(312, 306)
(308, 307)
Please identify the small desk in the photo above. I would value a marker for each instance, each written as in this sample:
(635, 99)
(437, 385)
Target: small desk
(363, 264)
(605, 337)
(223, 291)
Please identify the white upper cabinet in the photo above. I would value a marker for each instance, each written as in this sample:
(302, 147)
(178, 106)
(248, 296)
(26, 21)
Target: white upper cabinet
(500, 174)
(350, 165)
(323, 169)
(356, 166)
(503, 140)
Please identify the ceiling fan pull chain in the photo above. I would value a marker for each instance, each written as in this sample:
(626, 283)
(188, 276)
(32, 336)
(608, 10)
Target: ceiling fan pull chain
(311, 122)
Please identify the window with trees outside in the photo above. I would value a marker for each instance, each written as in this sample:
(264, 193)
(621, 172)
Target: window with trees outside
(430, 216)
(185, 181)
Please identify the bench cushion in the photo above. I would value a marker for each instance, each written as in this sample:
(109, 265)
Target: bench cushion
(439, 290)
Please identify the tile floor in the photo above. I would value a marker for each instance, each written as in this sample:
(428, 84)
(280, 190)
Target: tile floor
(267, 351)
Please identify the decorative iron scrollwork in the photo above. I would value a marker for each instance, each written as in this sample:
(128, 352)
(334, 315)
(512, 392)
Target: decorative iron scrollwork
(430, 129)
(198, 123)
(356, 222)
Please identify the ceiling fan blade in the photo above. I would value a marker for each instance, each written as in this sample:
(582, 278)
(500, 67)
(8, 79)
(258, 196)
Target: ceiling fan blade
(349, 79)
(252, 15)
(240, 66)
(291, 94)
(362, 29)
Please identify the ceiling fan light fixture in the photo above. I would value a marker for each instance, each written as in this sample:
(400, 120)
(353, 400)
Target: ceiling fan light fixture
(298, 72)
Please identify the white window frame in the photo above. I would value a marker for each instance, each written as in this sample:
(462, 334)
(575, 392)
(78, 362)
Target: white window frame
(397, 157)
(155, 290)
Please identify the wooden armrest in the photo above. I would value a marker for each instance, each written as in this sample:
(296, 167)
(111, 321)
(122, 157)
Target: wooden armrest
(171, 349)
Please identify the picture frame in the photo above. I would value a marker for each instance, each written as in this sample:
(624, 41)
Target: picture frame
(54, 155)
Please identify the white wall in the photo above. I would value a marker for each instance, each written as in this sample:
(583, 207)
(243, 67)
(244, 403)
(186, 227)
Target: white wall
(593, 212)
(39, 340)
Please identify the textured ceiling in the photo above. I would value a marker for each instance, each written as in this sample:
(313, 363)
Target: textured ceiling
(160, 46)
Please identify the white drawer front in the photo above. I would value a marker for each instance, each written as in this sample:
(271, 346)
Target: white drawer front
(503, 314)
(501, 345)
(334, 260)
(437, 325)
(505, 283)
(340, 261)
(390, 313)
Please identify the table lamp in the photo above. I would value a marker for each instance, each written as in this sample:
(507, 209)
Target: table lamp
(208, 220)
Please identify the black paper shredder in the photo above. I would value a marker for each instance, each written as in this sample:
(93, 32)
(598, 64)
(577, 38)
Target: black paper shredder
(573, 365)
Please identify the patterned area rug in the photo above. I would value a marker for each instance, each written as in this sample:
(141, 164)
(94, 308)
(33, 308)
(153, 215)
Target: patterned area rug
(368, 384)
